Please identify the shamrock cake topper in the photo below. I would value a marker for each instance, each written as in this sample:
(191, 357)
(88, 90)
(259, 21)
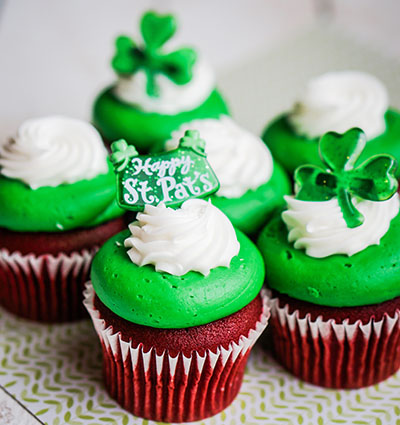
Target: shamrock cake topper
(121, 154)
(169, 177)
(156, 30)
(372, 180)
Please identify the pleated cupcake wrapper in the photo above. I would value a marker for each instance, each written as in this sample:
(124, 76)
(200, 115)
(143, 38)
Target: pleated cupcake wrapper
(45, 287)
(335, 354)
(172, 389)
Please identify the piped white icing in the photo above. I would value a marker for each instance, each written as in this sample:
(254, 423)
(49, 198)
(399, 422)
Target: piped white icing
(240, 159)
(173, 98)
(196, 237)
(338, 101)
(319, 227)
(53, 150)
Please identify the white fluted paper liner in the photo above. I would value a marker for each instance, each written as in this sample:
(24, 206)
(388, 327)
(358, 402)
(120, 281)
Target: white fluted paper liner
(44, 287)
(336, 354)
(220, 371)
(113, 341)
(325, 328)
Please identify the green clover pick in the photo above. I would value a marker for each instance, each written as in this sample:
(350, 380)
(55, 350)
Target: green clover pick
(191, 140)
(156, 30)
(121, 154)
(372, 180)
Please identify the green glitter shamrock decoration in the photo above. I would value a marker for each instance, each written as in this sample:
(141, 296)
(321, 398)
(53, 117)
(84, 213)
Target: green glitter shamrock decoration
(192, 140)
(121, 154)
(156, 31)
(372, 180)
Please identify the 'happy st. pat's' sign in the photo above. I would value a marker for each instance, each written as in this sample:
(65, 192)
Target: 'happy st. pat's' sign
(169, 177)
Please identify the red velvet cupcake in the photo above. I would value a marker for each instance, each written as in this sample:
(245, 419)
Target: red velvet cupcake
(178, 313)
(57, 196)
(331, 260)
(350, 347)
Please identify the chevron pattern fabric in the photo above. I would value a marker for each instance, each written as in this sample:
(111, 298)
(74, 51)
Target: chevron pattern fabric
(56, 372)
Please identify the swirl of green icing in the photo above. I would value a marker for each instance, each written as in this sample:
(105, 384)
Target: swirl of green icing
(367, 277)
(85, 203)
(116, 119)
(252, 210)
(292, 150)
(161, 300)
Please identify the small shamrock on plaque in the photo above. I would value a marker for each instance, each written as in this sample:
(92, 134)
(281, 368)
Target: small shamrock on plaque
(169, 177)
(121, 154)
(156, 30)
(372, 180)
(191, 140)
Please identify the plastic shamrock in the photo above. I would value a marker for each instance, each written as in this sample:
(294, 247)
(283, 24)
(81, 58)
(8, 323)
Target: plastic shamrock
(156, 31)
(121, 154)
(191, 140)
(372, 180)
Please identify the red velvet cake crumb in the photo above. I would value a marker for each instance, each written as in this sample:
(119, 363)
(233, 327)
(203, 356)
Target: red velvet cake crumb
(198, 338)
(363, 313)
(354, 353)
(54, 242)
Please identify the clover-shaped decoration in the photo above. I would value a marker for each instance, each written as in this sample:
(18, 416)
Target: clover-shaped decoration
(372, 180)
(192, 140)
(156, 31)
(121, 154)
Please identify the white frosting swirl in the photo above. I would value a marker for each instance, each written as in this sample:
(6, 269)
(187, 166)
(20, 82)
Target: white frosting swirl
(320, 229)
(173, 98)
(196, 237)
(53, 150)
(338, 101)
(240, 159)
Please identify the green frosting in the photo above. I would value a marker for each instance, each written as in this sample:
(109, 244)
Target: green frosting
(116, 119)
(292, 150)
(161, 300)
(369, 277)
(252, 210)
(85, 203)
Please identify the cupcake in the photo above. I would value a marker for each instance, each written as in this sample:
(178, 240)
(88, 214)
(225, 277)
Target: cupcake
(176, 303)
(252, 185)
(158, 88)
(335, 101)
(57, 197)
(332, 260)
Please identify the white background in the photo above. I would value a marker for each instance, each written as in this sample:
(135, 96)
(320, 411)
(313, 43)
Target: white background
(55, 53)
